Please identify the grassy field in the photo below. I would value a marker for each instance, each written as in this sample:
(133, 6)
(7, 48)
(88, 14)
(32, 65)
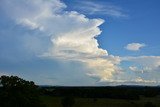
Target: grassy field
(101, 102)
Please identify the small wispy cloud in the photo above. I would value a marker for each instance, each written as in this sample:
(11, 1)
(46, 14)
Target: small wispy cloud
(135, 81)
(4, 73)
(135, 46)
(108, 9)
(144, 66)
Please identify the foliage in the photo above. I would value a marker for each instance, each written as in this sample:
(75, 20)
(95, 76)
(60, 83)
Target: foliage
(17, 92)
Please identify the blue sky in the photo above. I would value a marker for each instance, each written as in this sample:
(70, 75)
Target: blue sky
(87, 42)
(141, 25)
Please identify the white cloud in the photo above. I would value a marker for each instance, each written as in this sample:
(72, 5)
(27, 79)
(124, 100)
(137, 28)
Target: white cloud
(92, 7)
(4, 73)
(136, 69)
(144, 63)
(30, 24)
(150, 62)
(133, 68)
(135, 46)
(141, 69)
(71, 35)
(146, 67)
(104, 68)
(45, 28)
(135, 81)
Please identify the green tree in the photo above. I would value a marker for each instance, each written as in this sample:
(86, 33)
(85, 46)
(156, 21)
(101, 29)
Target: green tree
(16, 92)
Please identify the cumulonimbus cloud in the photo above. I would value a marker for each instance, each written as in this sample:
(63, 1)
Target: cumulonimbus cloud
(48, 30)
(71, 34)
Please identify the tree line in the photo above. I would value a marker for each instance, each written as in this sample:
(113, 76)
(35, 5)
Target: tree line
(114, 92)
(17, 92)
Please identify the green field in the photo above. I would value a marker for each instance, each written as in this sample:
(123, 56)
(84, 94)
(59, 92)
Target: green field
(101, 102)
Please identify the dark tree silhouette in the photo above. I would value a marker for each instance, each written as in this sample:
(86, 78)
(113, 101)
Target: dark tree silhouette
(16, 92)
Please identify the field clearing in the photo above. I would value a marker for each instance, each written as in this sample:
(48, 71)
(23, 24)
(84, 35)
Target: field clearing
(101, 102)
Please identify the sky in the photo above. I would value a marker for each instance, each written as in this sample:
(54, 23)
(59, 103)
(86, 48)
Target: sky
(81, 42)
